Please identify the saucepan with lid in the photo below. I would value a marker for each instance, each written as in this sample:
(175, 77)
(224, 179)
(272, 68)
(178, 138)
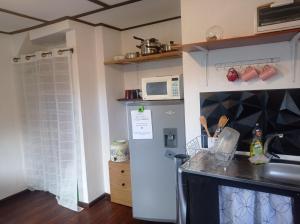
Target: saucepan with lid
(148, 46)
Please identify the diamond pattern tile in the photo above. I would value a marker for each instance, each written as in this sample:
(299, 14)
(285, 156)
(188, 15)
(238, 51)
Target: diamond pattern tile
(277, 111)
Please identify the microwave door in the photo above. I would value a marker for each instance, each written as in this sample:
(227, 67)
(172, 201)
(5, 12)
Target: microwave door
(157, 90)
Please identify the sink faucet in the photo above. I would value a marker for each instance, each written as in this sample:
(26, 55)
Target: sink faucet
(268, 141)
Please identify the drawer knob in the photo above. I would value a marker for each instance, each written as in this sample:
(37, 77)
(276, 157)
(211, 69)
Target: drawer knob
(122, 171)
(123, 184)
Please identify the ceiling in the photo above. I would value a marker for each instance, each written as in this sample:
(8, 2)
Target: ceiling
(19, 16)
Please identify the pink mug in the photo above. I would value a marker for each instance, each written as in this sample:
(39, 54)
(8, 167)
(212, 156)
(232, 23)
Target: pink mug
(267, 72)
(249, 73)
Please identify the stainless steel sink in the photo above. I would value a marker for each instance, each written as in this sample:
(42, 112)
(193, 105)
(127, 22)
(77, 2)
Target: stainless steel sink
(281, 172)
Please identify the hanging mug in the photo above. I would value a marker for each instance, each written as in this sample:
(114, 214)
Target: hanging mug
(249, 73)
(232, 75)
(267, 72)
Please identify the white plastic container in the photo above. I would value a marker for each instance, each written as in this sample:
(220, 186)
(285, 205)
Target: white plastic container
(119, 151)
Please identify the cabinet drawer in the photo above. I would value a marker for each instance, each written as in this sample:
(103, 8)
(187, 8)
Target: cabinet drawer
(119, 170)
(120, 183)
(121, 196)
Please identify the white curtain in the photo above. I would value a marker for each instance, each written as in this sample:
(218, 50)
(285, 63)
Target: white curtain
(241, 206)
(51, 147)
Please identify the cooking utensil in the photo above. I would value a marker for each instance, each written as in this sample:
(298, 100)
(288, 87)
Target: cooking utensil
(146, 50)
(118, 57)
(223, 120)
(203, 122)
(176, 47)
(138, 38)
(167, 47)
(131, 55)
(148, 46)
(146, 41)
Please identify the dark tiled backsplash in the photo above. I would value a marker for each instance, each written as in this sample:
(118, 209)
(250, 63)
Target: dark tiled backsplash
(277, 111)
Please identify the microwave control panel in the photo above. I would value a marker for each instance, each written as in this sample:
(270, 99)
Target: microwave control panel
(175, 87)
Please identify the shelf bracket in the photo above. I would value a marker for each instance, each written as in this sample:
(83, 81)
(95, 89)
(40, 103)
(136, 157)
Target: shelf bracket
(294, 44)
(201, 49)
(206, 61)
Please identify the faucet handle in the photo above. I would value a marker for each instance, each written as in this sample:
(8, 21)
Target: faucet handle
(280, 135)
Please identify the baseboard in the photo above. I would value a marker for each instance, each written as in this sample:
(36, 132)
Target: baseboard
(15, 195)
(88, 205)
(81, 204)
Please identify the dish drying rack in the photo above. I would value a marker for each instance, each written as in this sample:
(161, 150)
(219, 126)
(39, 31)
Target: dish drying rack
(223, 151)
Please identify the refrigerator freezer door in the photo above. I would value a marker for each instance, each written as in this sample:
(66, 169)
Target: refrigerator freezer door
(154, 173)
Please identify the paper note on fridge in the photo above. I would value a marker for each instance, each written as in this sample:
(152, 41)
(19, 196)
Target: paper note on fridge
(141, 124)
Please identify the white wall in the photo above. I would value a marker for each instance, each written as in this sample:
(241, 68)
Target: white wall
(195, 79)
(11, 162)
(164, 32)
(23, 45)
(111, 87)
(82, 38)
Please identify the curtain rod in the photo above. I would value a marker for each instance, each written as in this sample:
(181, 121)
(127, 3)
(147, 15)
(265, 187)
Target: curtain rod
(44, 54)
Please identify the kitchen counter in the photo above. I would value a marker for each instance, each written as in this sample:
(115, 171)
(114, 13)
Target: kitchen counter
(239, 170)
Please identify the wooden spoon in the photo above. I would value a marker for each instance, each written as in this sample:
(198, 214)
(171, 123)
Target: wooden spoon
(203, 122)
(223, 120)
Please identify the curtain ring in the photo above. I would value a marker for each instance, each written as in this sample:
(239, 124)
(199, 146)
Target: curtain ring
(29, 56)
(44, 54)
(16, 59)
(60, 52)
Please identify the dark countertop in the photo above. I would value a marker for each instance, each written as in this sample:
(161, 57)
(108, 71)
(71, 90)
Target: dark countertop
(240, 170)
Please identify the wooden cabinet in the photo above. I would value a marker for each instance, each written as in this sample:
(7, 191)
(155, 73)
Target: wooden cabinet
(120, 182)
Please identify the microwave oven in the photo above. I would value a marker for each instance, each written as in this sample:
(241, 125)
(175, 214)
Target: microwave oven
(278, 17)
(162, 87)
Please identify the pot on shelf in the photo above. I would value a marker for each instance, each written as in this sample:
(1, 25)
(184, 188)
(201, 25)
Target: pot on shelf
(167, 47)
(148, 46)
(131, 55)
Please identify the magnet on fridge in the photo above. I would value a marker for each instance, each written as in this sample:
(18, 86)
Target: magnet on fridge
(141, 109)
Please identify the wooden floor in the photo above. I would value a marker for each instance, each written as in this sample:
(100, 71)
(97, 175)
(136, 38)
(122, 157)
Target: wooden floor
(42, 208)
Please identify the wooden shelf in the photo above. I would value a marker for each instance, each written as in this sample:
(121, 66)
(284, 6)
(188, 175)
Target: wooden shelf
(130, 100)
(263, 38)
(153, 57)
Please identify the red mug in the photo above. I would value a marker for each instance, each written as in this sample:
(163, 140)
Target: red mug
(232, 75)
(128, 94)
